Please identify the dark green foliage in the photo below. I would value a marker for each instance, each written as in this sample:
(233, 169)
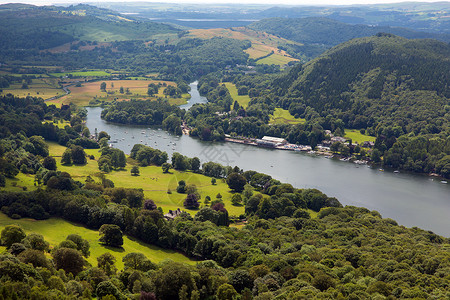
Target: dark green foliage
(12, 234)
(70, 260)
(148, 156)
(111, 235)
(191, 201)
(236, 182)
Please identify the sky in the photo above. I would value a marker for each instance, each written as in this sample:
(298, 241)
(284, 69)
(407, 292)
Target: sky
(287, 2)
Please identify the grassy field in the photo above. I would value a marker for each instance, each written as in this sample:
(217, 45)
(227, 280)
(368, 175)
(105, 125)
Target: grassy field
(83, 74)
(42, 87)
(357, 136)
(243, 100)
(153, 181)
(55, 230)
(283, 116)
(262, 43)
(91, 90)
(276, 59)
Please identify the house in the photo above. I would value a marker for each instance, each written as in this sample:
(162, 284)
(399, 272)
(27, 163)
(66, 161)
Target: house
(172, 214)
(368, 144)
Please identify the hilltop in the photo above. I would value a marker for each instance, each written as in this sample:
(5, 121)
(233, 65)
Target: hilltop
(33, 27)
(319, 33)
(380, 79)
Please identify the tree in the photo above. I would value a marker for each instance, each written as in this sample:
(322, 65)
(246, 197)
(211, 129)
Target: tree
(191, 202)
(226, 292)
(111, 235)
(12, 234)
(236, 182)
(170, 279)
(150, 205)
(213, 181)
(103, 86)
(35, 257)
(70, 260)
(49, 163)
(121, 90)
(166, 167)
(181, 188)
(137, 261)
(35, 241)
(78, 155)
(195, 164)
(82, 245)
(106, 288)
(66, 158)
(236, 200)
(106, 262)
(135, 171)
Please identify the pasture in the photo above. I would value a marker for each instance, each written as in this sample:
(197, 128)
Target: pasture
(152, 181)
(137, 89)
(357, 136)
(44, 88)
(55, 230)
(283, 116)
(243, 100)
(276, 59)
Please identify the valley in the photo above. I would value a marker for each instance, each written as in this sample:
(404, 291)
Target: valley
(152, 151)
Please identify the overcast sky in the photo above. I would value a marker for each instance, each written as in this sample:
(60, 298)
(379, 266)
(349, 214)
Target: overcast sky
(290, 2)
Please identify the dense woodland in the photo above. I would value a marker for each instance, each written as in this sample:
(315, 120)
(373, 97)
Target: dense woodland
(288, 243)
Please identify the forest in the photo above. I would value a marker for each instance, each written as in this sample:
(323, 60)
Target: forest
(236, 234)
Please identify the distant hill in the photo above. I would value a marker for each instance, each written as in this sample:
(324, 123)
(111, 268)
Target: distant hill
(328, 32)
(383, 79)
(32, 27)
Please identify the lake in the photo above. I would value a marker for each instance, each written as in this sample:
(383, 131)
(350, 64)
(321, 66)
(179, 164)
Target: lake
(410, 199)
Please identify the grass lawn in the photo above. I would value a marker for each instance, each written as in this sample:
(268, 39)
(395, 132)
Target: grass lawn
(55, 230)
(82, 74)
(357, 136)
(243, 100)
(276, 59)
(91, 90)
(153, 181)
(283, 116)
(43, 87)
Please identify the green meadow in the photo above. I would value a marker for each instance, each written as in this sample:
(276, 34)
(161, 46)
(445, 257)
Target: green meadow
(156, 185)
(55, 230)
(283, 116)
(94, 73)
(243, 100)
(357, 136)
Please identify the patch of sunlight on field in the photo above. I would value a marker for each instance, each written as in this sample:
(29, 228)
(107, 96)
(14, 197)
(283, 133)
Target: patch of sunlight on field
(283, 116)
(55, 230)
(243, 100)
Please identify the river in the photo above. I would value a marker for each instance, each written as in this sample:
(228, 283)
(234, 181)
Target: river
(411, 200)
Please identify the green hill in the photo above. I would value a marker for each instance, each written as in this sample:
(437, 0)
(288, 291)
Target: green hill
(32, 27)
(322, 33)
(380, 79)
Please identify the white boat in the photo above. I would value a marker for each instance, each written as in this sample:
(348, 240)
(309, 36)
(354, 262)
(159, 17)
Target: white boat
(443, 181)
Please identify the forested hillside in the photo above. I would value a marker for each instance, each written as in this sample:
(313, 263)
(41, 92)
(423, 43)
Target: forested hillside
(323, 33)
(32, 27)
(384, 85)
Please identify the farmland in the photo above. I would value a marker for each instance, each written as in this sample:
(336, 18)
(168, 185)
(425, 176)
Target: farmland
(262, 44)
(41, 87)
(137, 89)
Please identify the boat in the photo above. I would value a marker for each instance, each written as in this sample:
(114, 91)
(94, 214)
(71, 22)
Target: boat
(443, 181)
(396, 171)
